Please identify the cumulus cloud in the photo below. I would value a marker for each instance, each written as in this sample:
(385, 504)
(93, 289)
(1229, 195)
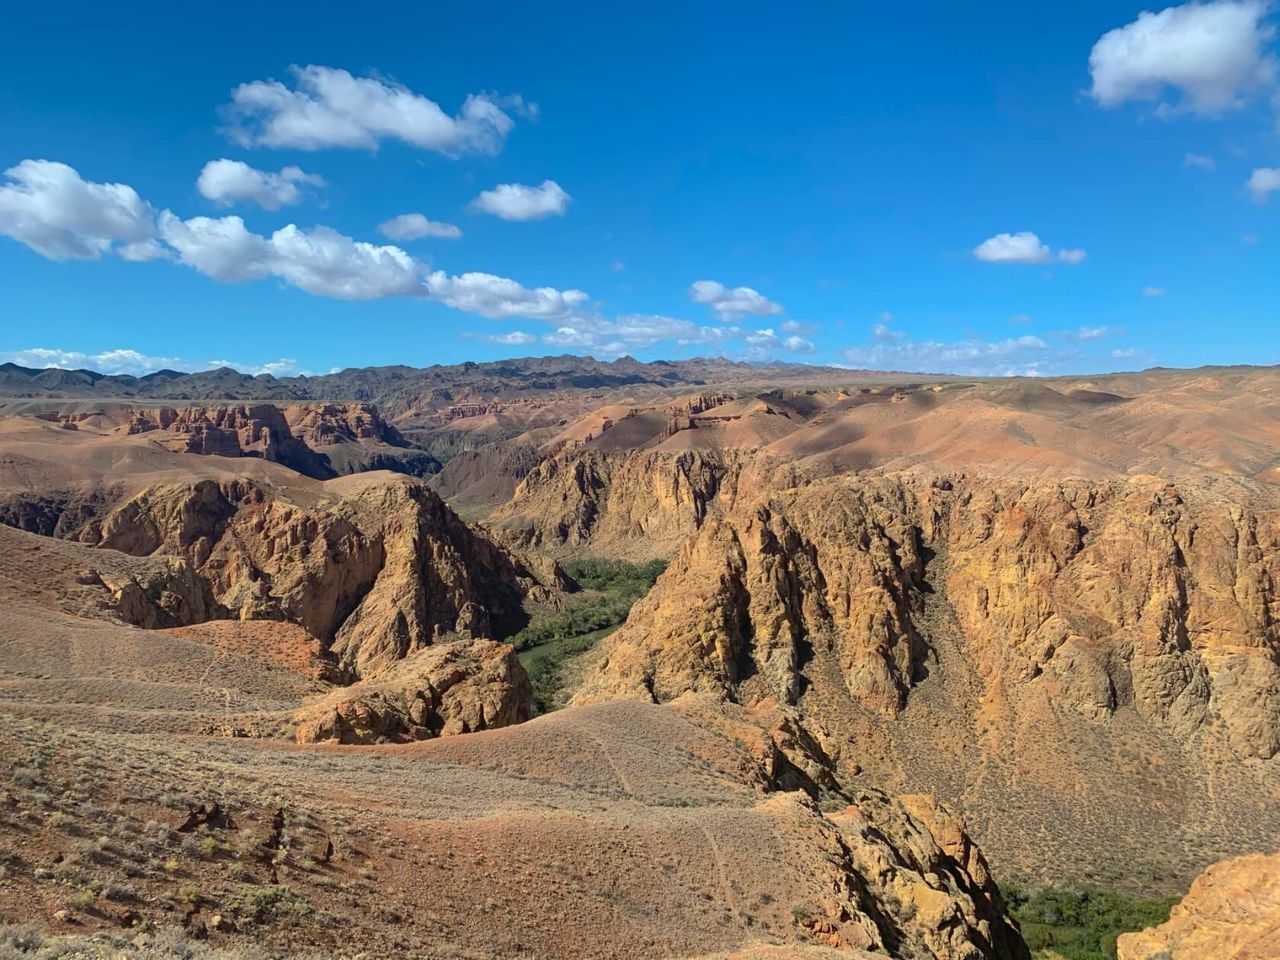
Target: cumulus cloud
(518, 201)
(1212, 55)
(48, 207)
(731, 303)
(326, 263)
(1024, 356)
(883, 333)
(232, 181)
(1199, 161)
(499, 298)
(1023, 247)
(1263, 182)
(327, 107)
(629, 332)
(414, 226)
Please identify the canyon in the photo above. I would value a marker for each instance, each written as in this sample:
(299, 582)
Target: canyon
(914, 636)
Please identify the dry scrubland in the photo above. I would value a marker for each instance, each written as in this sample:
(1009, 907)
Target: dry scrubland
(251, 698)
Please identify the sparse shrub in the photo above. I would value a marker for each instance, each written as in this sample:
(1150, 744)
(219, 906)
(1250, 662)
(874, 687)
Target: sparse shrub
(264, 904)
(80, 900)
(189, 893)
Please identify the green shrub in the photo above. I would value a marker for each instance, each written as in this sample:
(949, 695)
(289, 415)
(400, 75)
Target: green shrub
(1082, 923)
(264, 904)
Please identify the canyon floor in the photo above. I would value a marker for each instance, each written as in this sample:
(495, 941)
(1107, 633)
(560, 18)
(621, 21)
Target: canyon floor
(323, 665)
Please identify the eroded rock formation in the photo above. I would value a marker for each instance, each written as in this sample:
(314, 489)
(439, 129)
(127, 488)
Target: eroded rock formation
(376, 574)
(1231, 913)
(440, 690)
(1115, 594)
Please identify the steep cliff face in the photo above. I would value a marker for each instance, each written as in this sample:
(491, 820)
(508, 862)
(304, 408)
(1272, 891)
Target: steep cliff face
(1231, 913)
(1036, 648)
(1114, 594)
(378, 573)
(636, 503)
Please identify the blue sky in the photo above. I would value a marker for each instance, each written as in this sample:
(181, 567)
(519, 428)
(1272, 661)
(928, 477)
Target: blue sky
(1032, 189)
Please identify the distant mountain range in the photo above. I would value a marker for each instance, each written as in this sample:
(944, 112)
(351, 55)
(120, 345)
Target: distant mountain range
(396, 385)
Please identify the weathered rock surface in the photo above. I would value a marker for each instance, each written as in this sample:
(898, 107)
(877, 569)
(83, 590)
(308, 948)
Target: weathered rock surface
(1231, 913)
(1005, 644)
(1114, 594)
(636, 503)
(441, 690)
(318, 440)
(376, 573)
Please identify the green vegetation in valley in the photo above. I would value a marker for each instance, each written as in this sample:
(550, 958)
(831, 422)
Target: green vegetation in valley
(1082, 923)
(610, 588)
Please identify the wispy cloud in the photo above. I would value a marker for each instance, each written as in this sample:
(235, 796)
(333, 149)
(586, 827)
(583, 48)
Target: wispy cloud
(415, 226)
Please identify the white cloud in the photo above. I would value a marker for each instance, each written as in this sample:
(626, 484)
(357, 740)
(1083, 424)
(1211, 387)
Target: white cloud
(618, 266)
(731, 303)
(795, 326)
(1023, 247)
(1088, 333)
(320, 261)
(1154, 291)
(326, 263)
(1199, 161)
(48, 207)
(499, 298)
(1025, 356)
(798, 345)
(231, 181)
(1131, 353)
(414, 226)
(1263, 182)
(883, 333)
(517, 338)
(629, 332)
(328, 107)
(122, 361)
(284, 367)
(518, 201)
(119, 361)
(1212, 54)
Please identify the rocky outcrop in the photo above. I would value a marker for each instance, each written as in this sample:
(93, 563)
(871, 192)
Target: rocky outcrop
(1231, 913)
(641, 504)
(1032, 648)
(908, 881)
(376, 575)
(169, 594)
(437, 577)
(330, 423)
(441, 690)
(318, 440)
(1118, 594)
